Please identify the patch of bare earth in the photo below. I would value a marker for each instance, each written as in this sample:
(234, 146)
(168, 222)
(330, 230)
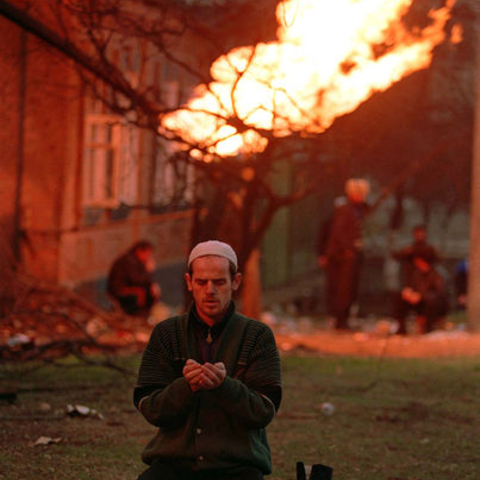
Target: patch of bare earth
(435, 344)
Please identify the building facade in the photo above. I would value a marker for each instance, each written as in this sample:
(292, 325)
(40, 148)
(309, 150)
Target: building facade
(79, 184)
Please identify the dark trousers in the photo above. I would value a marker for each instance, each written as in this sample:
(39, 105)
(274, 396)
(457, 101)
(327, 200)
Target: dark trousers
(129, 303)
(163, 471)
(343, 276)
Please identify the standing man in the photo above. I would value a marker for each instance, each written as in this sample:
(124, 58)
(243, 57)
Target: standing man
(210, 381)
(343, 252)
(130, 279)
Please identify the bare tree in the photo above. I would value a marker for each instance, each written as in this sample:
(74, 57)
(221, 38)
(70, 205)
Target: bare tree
(235, 198)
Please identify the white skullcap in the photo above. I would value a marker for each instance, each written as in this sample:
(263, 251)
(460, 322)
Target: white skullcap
(357, 186)
(213, 247)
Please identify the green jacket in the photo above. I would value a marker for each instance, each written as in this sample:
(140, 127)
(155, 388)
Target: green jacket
(214, 429)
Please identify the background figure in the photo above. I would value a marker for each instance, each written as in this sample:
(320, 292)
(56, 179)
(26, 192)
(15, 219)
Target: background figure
(419, 247)
(342, 245)
(130, 280)
(424, 290)
(321, 246)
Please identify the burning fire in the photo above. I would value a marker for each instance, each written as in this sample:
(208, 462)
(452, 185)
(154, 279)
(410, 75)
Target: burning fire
(330, 57)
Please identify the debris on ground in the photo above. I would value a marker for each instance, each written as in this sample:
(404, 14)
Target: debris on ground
(52, 322)
(42, 441)
(327, 408)
(83, 411)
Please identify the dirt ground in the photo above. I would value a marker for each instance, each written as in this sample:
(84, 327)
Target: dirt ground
(372, 335)
(436, 344)
(302, 335)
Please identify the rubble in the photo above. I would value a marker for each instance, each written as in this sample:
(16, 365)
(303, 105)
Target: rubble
(52, 322)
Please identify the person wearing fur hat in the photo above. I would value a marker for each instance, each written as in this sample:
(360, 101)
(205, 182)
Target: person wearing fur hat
(342, 252)
(209, 381)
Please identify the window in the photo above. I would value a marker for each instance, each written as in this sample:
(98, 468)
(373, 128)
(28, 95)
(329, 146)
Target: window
(111, 142)
(110, 161)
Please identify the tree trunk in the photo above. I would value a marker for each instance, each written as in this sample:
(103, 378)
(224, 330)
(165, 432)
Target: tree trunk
(252, 287)
(473, 295)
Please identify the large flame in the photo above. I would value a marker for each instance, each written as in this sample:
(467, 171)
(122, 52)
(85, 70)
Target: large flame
(331, 55)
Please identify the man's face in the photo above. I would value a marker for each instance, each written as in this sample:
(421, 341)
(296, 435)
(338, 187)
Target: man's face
(212, 287)
(419, 235)
(144, 254)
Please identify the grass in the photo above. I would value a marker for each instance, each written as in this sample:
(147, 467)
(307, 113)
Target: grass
(393, 420)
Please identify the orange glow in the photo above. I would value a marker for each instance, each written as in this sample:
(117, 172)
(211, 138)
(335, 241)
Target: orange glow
(323, 65)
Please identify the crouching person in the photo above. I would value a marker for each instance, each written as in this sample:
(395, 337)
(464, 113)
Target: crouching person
(425, 294)
(210, 381)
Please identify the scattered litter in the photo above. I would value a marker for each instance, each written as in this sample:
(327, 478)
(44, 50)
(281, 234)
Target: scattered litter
(54, 322)
(327, 408)
(46, 441)
(19, 340)
(424, 441)
(83, 411)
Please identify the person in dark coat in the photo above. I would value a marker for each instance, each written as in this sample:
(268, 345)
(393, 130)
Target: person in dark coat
(209, 381)
(321, 246)
(130, 279)
(424, 290)
(419, 247)
(343, 251)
